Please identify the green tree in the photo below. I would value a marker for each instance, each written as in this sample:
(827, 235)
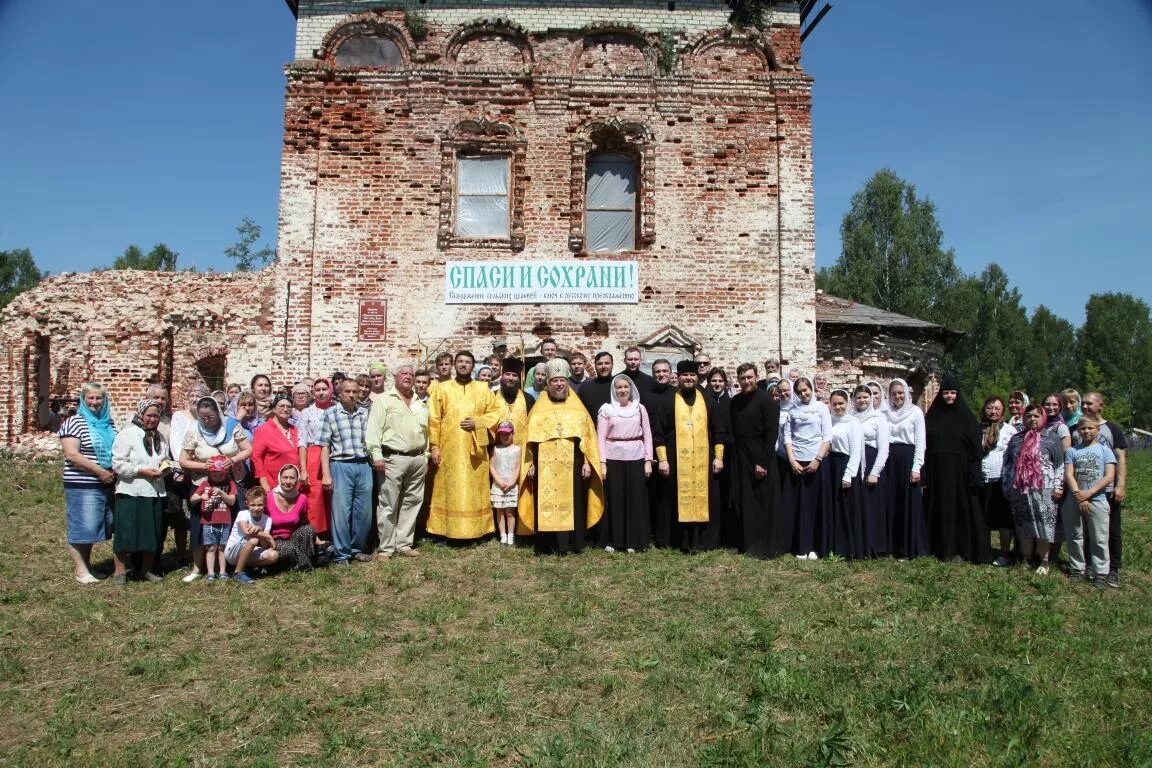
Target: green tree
(988, 310)
(892, 255)
(1116, 339)
(160, 259)
(18, 273)
(242, 251)
(1050, 363)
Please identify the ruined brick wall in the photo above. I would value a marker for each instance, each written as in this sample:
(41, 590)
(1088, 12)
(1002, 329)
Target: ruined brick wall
(125, 329)
(724, 140)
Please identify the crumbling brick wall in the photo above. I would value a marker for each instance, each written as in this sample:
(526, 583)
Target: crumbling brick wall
(126, 329)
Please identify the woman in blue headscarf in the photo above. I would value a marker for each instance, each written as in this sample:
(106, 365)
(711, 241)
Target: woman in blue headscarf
(87, 440)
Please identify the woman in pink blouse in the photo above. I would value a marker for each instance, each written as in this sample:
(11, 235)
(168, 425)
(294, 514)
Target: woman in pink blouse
(625, 435)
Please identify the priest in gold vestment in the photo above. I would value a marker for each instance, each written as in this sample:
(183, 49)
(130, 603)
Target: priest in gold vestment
(561, 490)
(688, 441)
(460, 413)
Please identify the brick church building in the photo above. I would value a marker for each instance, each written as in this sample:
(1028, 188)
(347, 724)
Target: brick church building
(483, 174)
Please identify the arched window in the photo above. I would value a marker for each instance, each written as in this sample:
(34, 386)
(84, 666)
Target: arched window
(482, 195)
(613, 205)
(369, 52)
(610, 218)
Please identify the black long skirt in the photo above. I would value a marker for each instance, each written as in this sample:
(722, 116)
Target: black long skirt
(997, 511)
(808, 499)
(955, 519)
(625, 524)
(848, 520)
(787, 509)
(561, 542)
(908, 534)
(875, 509)
(756, 509)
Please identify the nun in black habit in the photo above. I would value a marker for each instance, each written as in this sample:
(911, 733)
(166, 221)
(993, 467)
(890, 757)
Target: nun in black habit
(951, 477)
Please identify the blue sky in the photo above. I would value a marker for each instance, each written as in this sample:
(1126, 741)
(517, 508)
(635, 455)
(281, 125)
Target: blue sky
(1027, 125)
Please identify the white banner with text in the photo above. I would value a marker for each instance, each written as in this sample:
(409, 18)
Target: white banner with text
(541, 282)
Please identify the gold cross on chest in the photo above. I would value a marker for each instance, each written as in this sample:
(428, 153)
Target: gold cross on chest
(559, 428)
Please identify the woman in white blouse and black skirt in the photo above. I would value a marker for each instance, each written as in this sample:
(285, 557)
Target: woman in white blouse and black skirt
(808, 486)
(908, 530)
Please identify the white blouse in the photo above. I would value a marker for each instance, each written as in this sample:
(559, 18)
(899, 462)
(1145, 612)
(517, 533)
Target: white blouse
(992, 465)
(807, 428)
(128, 455)
(876, 431)
(848, 438)
(910, 431)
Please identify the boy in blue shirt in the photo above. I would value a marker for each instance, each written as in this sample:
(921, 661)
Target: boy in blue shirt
(1089, 469)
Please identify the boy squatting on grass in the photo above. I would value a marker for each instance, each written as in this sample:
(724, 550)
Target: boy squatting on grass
(216, 497)
(1088, 470)
(251, 539)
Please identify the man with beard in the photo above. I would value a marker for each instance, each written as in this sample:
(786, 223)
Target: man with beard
(562, 492)
(689, 447)
(460, 413)
(643, 381)
(598, 391)
(513, 403)
(755, 481)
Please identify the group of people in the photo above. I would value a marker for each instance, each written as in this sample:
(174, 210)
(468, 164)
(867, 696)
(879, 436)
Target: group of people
(345, 469)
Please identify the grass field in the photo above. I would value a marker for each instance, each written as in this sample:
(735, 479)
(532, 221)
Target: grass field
(481, 656)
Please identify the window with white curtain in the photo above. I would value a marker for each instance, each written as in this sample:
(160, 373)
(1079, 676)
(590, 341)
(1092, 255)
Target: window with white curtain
(610, 202)
(482, 185)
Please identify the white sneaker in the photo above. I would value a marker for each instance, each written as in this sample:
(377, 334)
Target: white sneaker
(511, 539)
(801, 557)
(609, 549)
(630, 551)
(503, 538)
(87, 578)
(813, 556)
(191, 577)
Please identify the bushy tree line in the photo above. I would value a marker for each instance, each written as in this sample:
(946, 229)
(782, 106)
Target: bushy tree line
(893, 257)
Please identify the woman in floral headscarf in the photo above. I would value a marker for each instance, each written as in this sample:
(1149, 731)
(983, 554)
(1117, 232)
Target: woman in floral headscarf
(86, 440)
(1033, 481)
(137, 456)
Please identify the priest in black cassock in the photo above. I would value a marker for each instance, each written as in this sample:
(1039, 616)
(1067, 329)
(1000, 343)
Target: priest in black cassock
(754, 476)
(688, 441)
(660, 491)
(598, 391)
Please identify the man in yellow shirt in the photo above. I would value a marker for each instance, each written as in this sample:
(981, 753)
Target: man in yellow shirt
(397, 439)
(460, 413)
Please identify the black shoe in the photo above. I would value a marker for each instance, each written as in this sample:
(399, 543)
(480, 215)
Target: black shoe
(1075, 577)
(1101, 584)
(362, 557)
(1114, 579)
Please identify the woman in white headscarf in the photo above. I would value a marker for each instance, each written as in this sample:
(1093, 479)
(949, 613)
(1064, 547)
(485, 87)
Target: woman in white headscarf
(624, 433)
(908, 531)
(875, 431)
(808, 486)
(845, 457)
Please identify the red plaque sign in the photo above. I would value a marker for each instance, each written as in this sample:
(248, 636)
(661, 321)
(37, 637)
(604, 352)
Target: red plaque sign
(373, 319)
